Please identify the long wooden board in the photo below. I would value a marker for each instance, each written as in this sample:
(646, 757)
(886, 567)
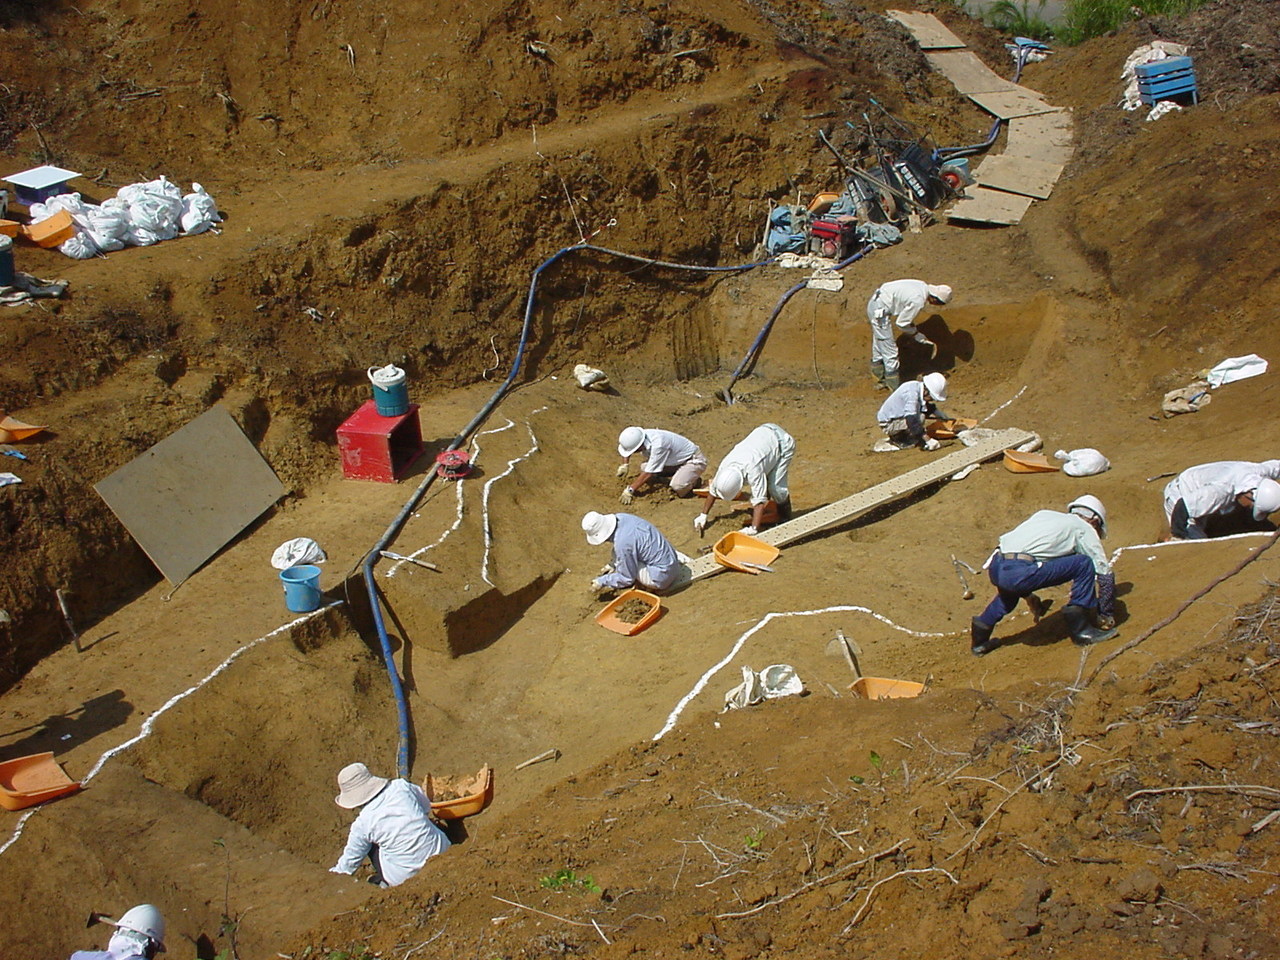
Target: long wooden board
(990, 206)
(927, 30)
(1031, 178)
(968, 73)
(1008, 104)
(858, 503)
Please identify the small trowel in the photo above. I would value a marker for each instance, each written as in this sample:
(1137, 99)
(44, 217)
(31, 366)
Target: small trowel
(840, 645)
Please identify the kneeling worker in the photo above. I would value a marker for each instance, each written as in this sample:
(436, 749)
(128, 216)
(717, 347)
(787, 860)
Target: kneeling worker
(139, 936)
(1214, 499)
(903, 413)
(641, 554)
(762, 460)
(1044, 550)
(666, 453)
(394, 828)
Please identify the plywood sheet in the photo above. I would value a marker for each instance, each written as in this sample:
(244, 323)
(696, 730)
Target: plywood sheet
(1055, 126)
(190, 494)
(990, 206)
(968, 73)
(927, 30)
(1007, 104)
(861, 502)
(1032, 178)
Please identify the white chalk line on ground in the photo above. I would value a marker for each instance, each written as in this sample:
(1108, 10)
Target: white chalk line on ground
(149, 723)
(768, 618)
(488, 533)
(475, 458)
(1003, 405)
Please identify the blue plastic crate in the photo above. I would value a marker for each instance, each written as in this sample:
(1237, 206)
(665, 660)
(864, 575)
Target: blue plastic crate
(1166, 80)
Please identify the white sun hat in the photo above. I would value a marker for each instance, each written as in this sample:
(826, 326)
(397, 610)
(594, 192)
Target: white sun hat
(599, 527)
(357, 786)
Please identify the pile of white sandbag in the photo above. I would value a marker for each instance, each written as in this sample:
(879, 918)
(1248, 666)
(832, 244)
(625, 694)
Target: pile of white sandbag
(138, 215)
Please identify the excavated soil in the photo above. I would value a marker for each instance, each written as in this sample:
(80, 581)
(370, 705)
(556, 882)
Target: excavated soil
(390, 179)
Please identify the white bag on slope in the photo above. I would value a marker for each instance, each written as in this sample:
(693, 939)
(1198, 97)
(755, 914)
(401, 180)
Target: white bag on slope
(199, 212)
(154, 211)
(1084, 462)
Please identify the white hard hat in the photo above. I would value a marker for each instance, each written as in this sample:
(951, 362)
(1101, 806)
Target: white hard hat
(939, 291)
(1093, 506)
(1266, 499)
(629, 441)
(599, 527)
(726, 484)
(146, 920)
(936, 384)
(357, 786)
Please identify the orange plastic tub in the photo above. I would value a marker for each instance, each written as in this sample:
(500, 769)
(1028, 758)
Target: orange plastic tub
(26, 781)
(738, 551)
(608, 617)
(881, 688)
(477, 793)
(51, 231)
(1017, 462)
(949, 429)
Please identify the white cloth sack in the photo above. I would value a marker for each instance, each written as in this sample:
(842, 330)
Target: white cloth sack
(8, 478)
(1236, 368)
(778, 680)
(1084, 462)
(589, 378)
(155, 208)
(1147, 53)
(825, 280)
(296, 551)
(199, 212)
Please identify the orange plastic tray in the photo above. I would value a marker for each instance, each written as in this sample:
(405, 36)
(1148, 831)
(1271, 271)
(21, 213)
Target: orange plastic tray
(51, 231)
(1017, 462)
(608, 618)
(946, 429)
(882, 688)
(26, 781)
(736, 549)
(459, 807)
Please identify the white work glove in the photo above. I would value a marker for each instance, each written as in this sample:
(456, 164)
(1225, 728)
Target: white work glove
(626, 496)
(597, 588)
(700, 522)
(749, 531)
(606, 569)
(931, 444)
(622, 470)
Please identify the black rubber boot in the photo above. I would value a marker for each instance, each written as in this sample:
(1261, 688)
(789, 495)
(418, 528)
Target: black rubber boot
(1083, 632)
(982, 643)
(877, 373)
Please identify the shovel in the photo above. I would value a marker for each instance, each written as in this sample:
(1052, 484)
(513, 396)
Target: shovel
(848, 649)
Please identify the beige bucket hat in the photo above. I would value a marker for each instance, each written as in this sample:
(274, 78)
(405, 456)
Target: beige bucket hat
(357, 786)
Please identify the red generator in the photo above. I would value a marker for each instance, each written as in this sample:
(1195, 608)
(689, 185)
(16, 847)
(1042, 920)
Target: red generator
(834, 237)
(374, 447)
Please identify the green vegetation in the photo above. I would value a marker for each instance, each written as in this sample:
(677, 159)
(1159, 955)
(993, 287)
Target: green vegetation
(753, 839)
(1017, 19)
(1086, 19)
(566, 879)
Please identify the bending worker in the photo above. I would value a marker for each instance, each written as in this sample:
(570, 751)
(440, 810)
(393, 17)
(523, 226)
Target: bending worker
(1044, 550)
(139, 935)
(903, 413)
(666, 453)
(1213, 499)
(762, 461)
(393, 829)
(641, 554)
(900, 300)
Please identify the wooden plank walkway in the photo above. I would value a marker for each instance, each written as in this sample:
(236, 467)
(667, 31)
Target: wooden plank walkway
(851, 506)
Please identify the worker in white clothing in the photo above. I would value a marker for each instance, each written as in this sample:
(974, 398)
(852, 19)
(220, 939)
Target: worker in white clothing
(1047, 549)
(666, 453)
(1229, 496)
(139, 935)
(761, 461)
(393, 829)
(641, 554)
(903, 413)
(898, 303)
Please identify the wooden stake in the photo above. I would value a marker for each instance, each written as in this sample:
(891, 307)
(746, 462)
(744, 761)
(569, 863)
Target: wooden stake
(66, 617)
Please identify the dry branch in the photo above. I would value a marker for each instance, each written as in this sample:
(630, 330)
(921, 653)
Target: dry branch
(572, 923)
(1247, 789)
(893, 876)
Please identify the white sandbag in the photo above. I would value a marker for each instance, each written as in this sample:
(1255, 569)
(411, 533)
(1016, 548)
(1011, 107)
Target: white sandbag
(80, 245)
(155, 208)
(1085, 462)
(296, 551)
(746, 694)
(780, 680)
(199, 212)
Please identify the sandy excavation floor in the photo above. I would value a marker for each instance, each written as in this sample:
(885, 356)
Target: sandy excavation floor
(1000, 811)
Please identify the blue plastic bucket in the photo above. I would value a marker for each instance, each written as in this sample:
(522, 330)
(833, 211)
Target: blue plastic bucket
(390, 391)
(301, 588)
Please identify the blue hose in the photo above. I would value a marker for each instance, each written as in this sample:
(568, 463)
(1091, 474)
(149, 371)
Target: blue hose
(397, 688)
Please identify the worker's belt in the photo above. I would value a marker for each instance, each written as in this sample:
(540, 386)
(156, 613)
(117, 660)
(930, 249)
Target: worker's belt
(1019, 556)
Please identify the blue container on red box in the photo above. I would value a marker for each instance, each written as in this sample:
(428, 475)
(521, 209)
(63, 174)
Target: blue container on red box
(390, 391)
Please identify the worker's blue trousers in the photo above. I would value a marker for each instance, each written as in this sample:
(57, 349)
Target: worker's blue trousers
(1014, 579)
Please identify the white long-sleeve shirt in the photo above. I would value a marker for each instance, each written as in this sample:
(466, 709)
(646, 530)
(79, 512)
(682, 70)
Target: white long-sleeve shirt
(762, 456)
(907, 401)
(1048, 534)
(1213, 487)
(903, 300)
(667, 450)
(397, 820)
(638, 544)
